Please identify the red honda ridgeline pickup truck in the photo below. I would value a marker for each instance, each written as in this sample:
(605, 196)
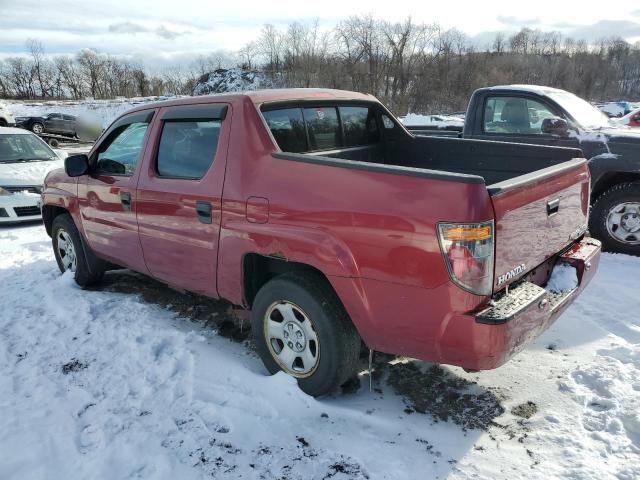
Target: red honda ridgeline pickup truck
(320, 213)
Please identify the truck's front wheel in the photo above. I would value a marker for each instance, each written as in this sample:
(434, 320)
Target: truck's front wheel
(69, 252)
(300, 327)
(615, 219)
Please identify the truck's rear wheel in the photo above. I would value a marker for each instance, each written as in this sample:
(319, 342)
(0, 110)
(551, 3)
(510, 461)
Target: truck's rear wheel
(69, 252)
(300, 327)
(615, 219)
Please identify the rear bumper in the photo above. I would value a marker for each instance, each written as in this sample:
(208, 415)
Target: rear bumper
(448, 325)
(520, 316)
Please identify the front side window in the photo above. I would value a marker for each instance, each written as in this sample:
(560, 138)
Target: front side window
(515, 115)
(187, 148)
(359, 125)
(120, 152)
(323, 128)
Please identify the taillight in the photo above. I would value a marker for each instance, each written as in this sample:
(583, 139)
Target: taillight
(468, 252)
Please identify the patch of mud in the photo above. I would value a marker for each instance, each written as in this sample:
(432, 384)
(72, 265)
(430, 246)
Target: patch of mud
(74, 365)
(214, 314)
(525, 410)
(445, 396)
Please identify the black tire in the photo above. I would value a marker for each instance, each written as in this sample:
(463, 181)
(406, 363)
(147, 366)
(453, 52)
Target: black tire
(339, 342)
(614, 196)
(53, 142)
(3, 122)
(35, 126)
(86, 274)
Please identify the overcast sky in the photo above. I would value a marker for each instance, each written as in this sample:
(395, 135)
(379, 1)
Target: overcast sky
(159, 31)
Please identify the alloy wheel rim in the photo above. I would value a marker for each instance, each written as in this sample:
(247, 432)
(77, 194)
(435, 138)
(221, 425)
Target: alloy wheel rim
(66, 251)
(37, 128)
(623, 222)
(291, 339)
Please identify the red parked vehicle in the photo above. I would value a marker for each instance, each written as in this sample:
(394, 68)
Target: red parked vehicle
(320, 213)
(631, 119)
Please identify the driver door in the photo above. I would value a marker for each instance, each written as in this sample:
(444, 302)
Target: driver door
(53, 123)
(107, 196)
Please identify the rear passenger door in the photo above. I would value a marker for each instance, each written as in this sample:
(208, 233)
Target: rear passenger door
(180, 196)
(69, 124)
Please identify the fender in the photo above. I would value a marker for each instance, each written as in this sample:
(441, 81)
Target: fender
(311, 246)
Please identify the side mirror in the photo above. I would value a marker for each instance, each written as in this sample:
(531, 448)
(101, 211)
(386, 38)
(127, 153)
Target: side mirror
(76, 165)
(555, 126)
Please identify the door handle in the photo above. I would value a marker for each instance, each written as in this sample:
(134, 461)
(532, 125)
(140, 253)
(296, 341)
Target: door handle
(552, 207)
(125, 199)
(203, 209)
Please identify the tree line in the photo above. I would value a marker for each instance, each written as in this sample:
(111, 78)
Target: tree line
(410, 66)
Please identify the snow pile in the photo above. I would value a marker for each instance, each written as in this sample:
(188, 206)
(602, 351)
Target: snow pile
(230, 80)
(435, 121)
(103, 384)
(563, 278)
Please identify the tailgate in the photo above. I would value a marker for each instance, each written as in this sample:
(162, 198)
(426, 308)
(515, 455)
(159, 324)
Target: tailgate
(537, 215)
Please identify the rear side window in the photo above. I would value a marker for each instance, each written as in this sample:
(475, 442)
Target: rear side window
(323, 127)
(287, 127)
(187, 148)
(359, 125)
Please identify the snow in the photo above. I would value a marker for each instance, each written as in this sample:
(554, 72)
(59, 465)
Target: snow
(132, 380)
(27, 173)
(101, 112)
(563, 278)
(231, 80)
(437, 121)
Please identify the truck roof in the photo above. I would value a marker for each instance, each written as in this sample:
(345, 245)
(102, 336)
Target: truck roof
(539, 89)
(265, 96)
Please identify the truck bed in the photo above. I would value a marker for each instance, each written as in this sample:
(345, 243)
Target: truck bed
(539, 194)
(495, 162)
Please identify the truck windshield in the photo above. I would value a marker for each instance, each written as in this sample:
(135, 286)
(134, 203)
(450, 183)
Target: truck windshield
(23, 148)
(582, 111)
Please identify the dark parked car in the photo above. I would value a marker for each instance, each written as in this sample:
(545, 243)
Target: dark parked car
(57, 123)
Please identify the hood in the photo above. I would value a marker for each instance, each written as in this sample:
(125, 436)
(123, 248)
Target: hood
(621, 135)
(27, 173)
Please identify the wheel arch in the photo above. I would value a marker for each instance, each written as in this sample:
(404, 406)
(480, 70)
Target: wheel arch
(258, 269)
(49, 213)
(609, 179)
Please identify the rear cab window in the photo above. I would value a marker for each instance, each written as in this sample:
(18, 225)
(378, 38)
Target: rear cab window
(316, 128)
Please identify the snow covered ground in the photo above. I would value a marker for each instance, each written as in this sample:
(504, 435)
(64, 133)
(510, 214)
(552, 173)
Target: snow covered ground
(435, 121)
(134, 380)
(102, 112)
